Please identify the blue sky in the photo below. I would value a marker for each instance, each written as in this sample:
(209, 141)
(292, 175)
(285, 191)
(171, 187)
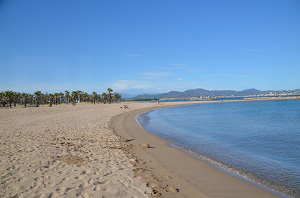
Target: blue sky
(149, 46)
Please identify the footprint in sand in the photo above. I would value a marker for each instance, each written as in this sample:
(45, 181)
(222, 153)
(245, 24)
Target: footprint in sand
(97, 188)
(81, 186)
(89, 181)
(68, 189)
(101, 182)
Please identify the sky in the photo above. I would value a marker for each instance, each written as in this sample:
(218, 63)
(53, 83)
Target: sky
(149, 46)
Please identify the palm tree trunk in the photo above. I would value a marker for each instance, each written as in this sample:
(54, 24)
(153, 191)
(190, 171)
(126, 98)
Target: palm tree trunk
(25, 103)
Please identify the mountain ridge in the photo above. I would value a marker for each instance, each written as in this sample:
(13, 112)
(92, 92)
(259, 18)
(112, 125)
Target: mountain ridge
(203, 92)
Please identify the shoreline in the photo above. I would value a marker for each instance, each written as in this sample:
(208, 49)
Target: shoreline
(278, 190)
(189, 177)
(235, 172)
(73, 150)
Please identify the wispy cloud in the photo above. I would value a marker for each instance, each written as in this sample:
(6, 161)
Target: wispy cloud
(154, 86)
(134, 55)
(130, 84)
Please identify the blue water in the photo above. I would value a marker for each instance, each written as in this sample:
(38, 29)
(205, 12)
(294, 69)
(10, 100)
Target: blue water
(259, 140)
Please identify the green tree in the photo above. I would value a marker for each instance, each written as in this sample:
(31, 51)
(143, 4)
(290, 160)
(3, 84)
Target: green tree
(95, 95)
(84, 97)
(24, 99)
(16, 99)
(79, 95)
(38, 95)
(61, 95)
(51, 98)
(109, 95)
(56, 95)
(117, 97)
(67, 93)
(9, 97)
(74, 97)
(2, 99)
(104, 97)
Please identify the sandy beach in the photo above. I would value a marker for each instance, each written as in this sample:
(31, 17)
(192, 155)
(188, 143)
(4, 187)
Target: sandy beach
(100, 151)
(138, 99)
(65, 151)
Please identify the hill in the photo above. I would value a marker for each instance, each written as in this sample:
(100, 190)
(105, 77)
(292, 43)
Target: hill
(202, 92)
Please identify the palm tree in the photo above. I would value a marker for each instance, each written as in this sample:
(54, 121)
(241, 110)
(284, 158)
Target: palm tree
(74, 97)
(109, 94)
(9, 97)
(56, 96)
(79, 95)
(104, 97)
(84, 97)
(5, 98)
(16, 96)
(46, 98)
(95, 97)
(38, 95)
(61, 95)
(67, 93)
(2, 99)
(51, 97)
(24, 98)
(31, 99)
(117, 97)
(38, 98)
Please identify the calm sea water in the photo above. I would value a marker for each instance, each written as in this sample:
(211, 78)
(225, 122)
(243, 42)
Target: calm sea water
(238, 98)
(259, 140)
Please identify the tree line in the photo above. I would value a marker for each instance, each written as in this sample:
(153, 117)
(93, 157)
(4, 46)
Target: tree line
(11, 98)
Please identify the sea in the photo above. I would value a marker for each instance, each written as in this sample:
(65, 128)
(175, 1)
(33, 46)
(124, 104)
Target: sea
(257, 140)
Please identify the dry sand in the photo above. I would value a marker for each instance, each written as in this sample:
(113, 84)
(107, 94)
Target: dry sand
(65, 151)
(72, 151)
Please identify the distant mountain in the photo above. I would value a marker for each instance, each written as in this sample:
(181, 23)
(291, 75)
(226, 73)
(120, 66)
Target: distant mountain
(202, 92)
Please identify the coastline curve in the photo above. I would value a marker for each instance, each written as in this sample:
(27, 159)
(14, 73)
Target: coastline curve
(171, 166)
